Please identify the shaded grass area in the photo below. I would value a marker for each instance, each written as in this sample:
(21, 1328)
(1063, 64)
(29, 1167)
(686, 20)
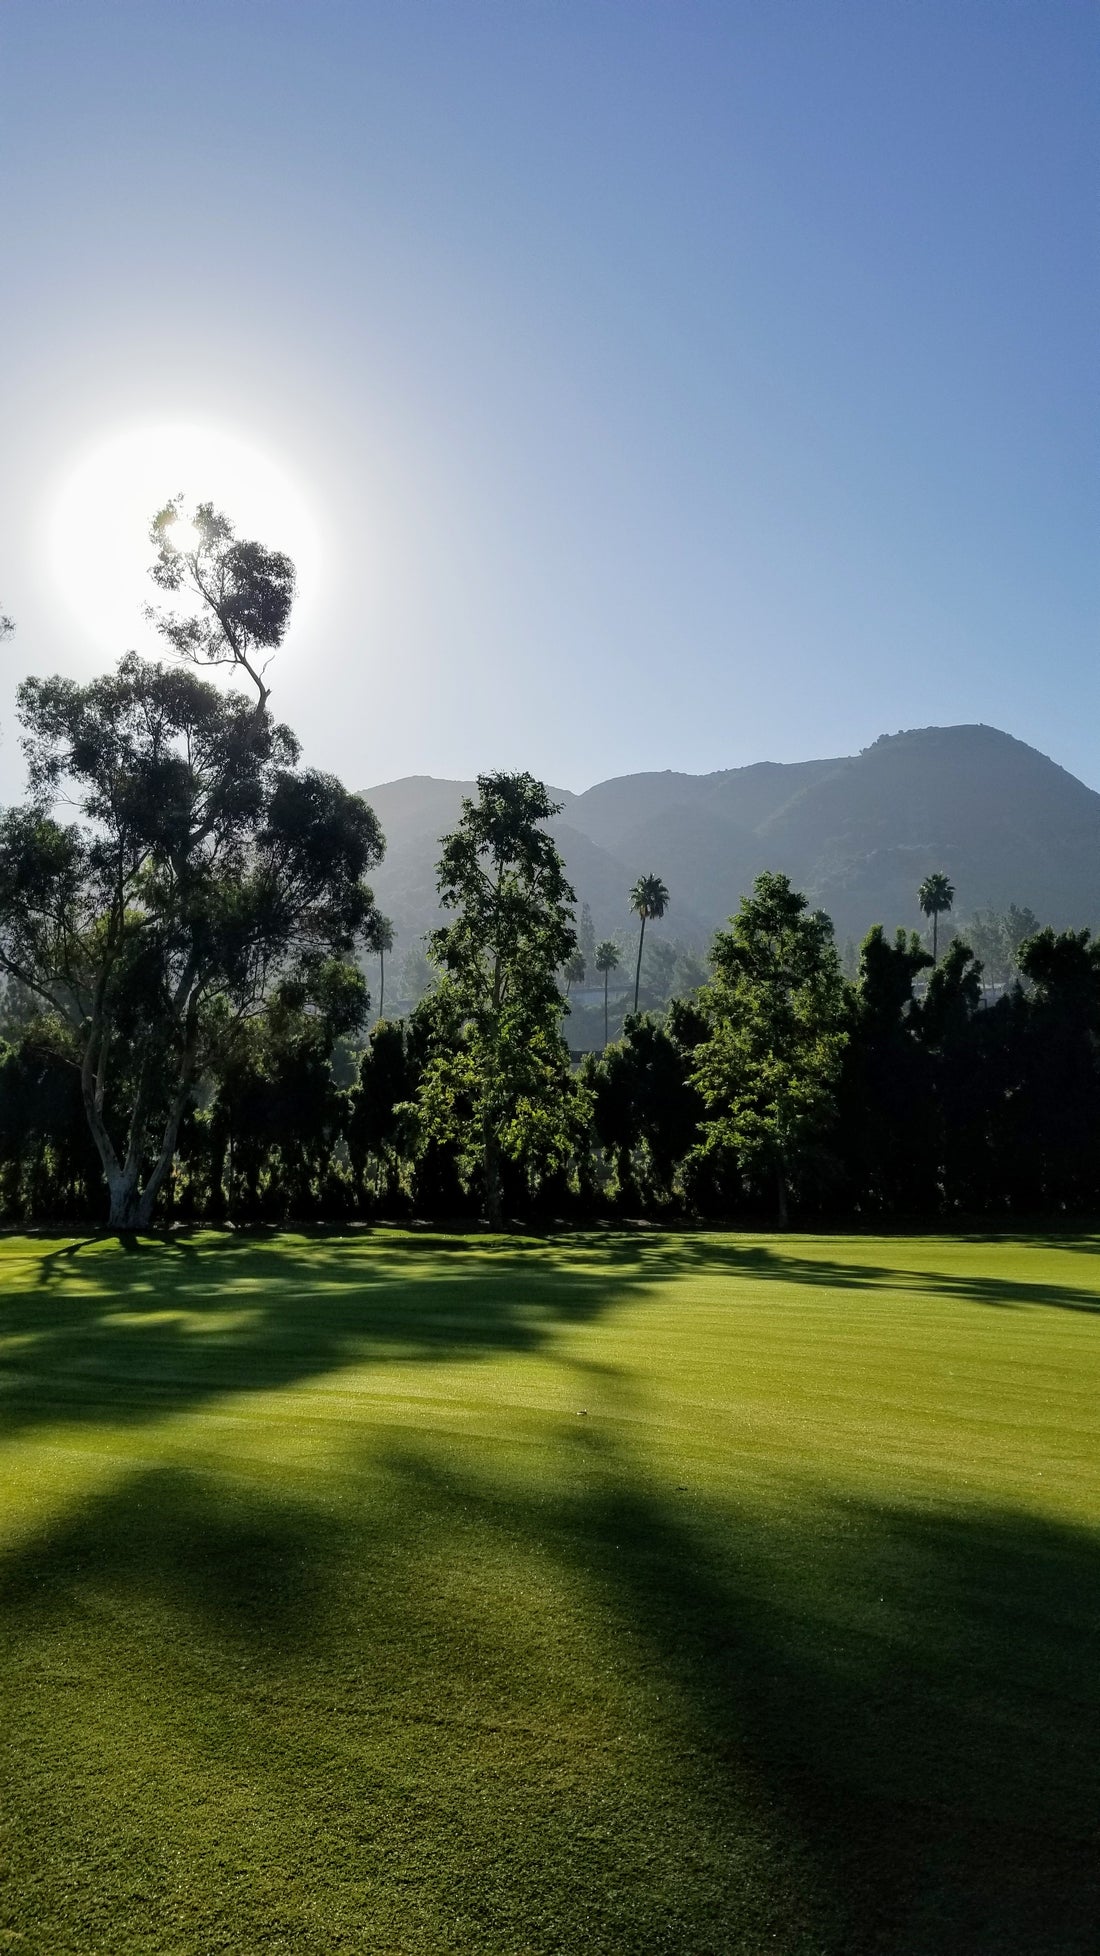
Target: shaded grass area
(690, 1594)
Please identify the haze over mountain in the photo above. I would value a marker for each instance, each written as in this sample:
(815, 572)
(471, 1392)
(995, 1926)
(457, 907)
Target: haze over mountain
(857, 833)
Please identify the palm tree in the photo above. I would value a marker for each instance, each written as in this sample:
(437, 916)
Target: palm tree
(607, 961)
(935, 896)
(649, 898)
(574, 970)
(380, 938)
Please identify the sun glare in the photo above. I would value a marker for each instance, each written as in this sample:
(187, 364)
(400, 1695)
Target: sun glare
(184, 536)
(101, 513)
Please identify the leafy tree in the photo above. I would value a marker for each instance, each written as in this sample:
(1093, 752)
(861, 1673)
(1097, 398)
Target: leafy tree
(945, 1026)
(207, 869)
(7, 626)
(376, 1121)
(418, 974)
(240, 593)
(1020, 926)
(987, 935)
(769, 1069)
(503, 1090)
(646, 1109)
(997, 939)
(885, 1089)
(277, 1112)
(574, 969)
(935, 896)
(648, 899)
(607, 961)
(380, 938)
(1061, 1096)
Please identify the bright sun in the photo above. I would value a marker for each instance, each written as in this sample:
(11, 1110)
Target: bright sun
(99, 524)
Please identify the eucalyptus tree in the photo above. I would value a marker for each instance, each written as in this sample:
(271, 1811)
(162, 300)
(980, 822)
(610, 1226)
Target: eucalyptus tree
(205, 868)
(768, 1070)
(935, 896)
(239, 593)
(648, 899)
(607, 961)
(500, 1088)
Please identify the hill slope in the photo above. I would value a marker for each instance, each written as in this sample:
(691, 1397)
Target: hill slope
(856, 833)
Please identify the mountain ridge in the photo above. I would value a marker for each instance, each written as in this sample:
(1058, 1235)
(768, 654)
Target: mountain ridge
(856, 832)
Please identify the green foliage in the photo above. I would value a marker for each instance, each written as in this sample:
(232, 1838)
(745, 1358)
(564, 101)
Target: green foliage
(768, 1071)
(500, 1089)
(205, 871)
(645, 1108)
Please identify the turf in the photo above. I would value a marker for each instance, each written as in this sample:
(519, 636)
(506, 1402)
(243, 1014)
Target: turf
(398, 1593)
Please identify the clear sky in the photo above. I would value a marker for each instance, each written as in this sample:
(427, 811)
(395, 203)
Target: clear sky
(650, 385)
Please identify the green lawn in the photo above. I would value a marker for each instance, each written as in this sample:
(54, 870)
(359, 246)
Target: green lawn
(403, 1593)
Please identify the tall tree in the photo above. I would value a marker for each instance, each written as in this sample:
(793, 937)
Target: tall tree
(648, 899)
(380, 939)
(768, 1070)
(207, 869)
(501, 1090)
(935, 896)
(607, 961)
(886, 1102)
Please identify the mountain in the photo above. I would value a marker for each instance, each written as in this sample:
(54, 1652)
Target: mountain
(857, 834)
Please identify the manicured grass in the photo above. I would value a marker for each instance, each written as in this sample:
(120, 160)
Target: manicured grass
(405, 1593)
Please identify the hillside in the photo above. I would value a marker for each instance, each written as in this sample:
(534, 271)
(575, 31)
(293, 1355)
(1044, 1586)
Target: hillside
(857, 834)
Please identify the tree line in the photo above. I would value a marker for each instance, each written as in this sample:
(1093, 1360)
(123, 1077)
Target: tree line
(186, 1012)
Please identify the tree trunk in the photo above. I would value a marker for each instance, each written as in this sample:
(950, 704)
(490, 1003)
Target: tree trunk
(126, 1203)
(606, 976)
(638, 969)
(935, 938)
(781, 1193)
(381, 981)
(494, 1204)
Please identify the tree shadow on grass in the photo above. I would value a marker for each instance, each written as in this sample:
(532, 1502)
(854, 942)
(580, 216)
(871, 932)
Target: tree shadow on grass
(844, 1731)
(782, 1262)
(915, 1693)
(91, 1333)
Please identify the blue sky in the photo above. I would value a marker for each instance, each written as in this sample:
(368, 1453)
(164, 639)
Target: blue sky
(669, 385)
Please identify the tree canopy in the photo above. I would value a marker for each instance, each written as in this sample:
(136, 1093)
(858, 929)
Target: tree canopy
(500, 1089)
(769, 1069)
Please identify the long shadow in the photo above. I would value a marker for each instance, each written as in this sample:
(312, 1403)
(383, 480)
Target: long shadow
(916, 1694)
(89, 1333)
(853, 1731)
(784, 1264)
